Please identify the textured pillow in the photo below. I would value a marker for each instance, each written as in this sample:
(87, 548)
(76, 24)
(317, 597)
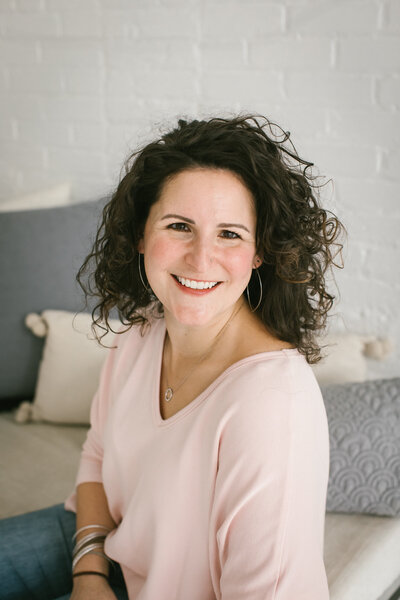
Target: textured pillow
(364, 435)
(58, 195)
(69, 369)
(40, 253)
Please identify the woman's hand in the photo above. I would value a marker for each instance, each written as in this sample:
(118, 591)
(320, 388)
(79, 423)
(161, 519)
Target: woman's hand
(92, 587)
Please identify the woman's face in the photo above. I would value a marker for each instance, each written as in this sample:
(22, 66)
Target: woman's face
(199, 245)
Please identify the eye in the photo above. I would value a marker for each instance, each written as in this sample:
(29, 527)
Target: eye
(178, 227)
(230, 235)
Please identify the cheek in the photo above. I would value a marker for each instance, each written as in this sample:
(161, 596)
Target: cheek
(240, 262)
(156, 250)
(159, 254)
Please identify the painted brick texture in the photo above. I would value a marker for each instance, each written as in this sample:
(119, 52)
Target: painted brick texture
(83, 83)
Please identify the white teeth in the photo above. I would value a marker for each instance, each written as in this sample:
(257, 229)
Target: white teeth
(197, 285)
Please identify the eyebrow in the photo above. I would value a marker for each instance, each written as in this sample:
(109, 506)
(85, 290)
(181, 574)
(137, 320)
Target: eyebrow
(226, 225)
(187, 220)
(180, 217)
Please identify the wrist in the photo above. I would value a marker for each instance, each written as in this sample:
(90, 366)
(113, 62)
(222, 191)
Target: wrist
(94, 573)
(93, 562)
(90, 580)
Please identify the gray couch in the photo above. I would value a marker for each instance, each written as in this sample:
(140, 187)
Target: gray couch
(39, 253)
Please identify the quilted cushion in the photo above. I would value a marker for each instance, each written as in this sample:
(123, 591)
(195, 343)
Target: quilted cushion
(364, 432)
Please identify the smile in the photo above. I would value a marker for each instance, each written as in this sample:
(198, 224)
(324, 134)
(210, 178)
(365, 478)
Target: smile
(193, 284)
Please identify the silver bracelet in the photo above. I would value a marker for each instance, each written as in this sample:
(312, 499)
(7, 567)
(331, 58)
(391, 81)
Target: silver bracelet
(103, 555)
(84, 551)
(86, 539)
(97, 554)
(90, 527)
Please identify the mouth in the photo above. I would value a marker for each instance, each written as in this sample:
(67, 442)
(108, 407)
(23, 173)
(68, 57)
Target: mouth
(196, 285)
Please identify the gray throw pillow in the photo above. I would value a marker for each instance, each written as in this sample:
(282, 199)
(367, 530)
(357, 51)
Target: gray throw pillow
(40, 254)
(364, 435)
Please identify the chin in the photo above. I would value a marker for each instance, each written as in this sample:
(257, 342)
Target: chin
(199, 316)
(191, 317)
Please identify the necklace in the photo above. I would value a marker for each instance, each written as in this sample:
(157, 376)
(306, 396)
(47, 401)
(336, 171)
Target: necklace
(169, 392)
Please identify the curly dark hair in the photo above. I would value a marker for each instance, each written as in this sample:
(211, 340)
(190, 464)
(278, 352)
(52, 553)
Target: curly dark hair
(295, 237)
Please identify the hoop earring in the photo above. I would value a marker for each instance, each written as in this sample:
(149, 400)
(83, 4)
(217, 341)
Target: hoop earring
(146, 287)
(261, 293)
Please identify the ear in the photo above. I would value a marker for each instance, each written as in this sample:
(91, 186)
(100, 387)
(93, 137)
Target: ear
(141, 246)
(256, 262)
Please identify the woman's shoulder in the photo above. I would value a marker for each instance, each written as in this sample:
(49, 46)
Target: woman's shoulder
(267, 383)
(132, 339)
(131, 343)
(285, 370)
(263, 366)
(270, 388)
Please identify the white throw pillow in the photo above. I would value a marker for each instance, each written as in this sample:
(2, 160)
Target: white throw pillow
(69, 370)
(344, 357)
(57, 195)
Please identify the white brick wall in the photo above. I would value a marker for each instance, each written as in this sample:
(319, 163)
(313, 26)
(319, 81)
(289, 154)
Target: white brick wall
(82, 83)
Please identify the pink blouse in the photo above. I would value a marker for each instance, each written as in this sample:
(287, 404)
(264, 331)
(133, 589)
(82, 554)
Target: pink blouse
(226, 498)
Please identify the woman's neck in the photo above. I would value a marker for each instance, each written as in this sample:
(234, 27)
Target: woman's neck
(187, 344)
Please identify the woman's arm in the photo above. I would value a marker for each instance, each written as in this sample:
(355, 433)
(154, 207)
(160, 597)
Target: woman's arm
(92, 509)
(269, 502)
(89, 500)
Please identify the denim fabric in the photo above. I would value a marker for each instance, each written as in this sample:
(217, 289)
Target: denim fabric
(36, 557)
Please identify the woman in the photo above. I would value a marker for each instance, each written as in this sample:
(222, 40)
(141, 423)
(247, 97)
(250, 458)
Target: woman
(205, 470)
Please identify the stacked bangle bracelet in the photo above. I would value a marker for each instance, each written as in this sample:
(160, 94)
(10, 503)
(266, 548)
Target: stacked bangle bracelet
(89, 527)
(91, 543)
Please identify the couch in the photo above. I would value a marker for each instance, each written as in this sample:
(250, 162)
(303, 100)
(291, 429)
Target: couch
(40, 441)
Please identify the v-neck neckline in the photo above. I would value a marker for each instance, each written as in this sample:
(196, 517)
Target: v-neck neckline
(193, 404)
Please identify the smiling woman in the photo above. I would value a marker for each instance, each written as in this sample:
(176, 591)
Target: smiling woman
(295, 238)
(207, 455)
(191, 252)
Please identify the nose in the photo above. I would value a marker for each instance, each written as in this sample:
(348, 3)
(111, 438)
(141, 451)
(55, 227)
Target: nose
(200, 254)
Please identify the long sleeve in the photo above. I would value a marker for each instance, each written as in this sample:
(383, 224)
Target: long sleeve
(269, 504)
(92, 451)
(112, 376)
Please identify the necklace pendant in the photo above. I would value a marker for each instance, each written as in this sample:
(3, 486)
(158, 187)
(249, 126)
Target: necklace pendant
(168, 394)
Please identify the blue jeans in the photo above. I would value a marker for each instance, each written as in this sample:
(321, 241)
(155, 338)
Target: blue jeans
(36, 557)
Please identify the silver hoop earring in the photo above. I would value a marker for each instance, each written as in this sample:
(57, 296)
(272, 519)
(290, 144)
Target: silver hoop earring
(261, 293)
(146, 287)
